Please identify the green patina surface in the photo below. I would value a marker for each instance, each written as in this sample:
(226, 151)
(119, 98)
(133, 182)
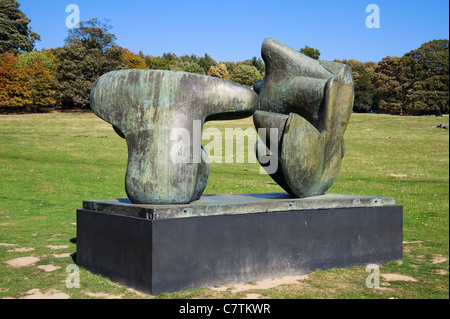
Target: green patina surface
(310, 103)
(152, 109)
(161, 116)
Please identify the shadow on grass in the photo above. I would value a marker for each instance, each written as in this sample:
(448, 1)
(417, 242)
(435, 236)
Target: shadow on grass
(74, 255)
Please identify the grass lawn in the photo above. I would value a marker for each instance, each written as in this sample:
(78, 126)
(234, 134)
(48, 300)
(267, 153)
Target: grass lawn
(50, 163)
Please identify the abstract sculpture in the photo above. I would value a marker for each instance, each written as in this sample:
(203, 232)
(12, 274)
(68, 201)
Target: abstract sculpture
(146, 107)
(308, 101)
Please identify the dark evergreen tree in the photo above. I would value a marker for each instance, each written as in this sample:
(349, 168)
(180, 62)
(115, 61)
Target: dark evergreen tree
(364, 89)
(206, 62)
(15, 33)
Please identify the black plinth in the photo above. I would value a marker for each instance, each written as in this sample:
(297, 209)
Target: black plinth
(138, 246)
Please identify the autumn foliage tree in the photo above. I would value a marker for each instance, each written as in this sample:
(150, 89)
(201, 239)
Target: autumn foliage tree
(41, 82)
(27, 81)
(134, 61)
(14, 90)
(416, 83)
(219, 71)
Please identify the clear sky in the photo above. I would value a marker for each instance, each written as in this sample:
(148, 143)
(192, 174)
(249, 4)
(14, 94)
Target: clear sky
(234, 30)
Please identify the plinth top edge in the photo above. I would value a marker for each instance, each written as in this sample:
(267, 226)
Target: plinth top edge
(226, 204)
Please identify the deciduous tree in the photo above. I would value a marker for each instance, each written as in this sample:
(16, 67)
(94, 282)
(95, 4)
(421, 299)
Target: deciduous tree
(245, 74)
(157, 63)
(429, 92)
(40, 68)
(88, 54)
(219, 71)
(311, 52)
(416, 83)
(191, 67)
(41, 83)
(92, 34)
(392, 79)
(206, 62)
(134, 61)
(14, 90)
(364, 89)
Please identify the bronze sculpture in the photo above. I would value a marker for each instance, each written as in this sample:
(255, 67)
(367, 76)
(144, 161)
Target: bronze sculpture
(308, 101)
(146, 107)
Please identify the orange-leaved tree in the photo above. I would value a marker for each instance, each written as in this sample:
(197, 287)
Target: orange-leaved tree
(134, 61)
(41, 83)
(14, 86)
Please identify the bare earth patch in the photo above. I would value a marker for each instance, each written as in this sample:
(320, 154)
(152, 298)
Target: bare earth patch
(64, 255)
(413, 242)
(7, 245)
(22, 261)
(23, 249)
(439, 259)
(52, 294)
(57, 247)
(397, 277)
(48, 268)
(141, 294)
(103, 295)
(264, 284)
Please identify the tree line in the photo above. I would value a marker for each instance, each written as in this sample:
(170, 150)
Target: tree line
(415, 84)
(63, 77)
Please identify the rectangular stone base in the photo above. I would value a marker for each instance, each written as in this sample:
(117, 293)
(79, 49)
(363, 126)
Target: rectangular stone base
(226, 239)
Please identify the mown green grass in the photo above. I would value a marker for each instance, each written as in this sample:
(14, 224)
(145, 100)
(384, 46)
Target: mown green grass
(50, 163)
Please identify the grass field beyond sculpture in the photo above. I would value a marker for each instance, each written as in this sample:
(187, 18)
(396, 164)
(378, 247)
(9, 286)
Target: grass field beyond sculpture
(50, 163)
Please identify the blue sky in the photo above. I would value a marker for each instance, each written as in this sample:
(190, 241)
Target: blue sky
(234, 30)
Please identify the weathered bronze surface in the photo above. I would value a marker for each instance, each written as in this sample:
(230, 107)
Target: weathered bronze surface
(161, 116)
(149, 108)
(310, 103)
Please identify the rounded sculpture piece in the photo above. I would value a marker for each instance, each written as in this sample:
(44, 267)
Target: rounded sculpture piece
(161, 115)
(310, 103)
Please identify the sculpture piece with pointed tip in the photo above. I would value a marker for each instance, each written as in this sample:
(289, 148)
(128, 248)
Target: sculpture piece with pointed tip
(310, 102)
